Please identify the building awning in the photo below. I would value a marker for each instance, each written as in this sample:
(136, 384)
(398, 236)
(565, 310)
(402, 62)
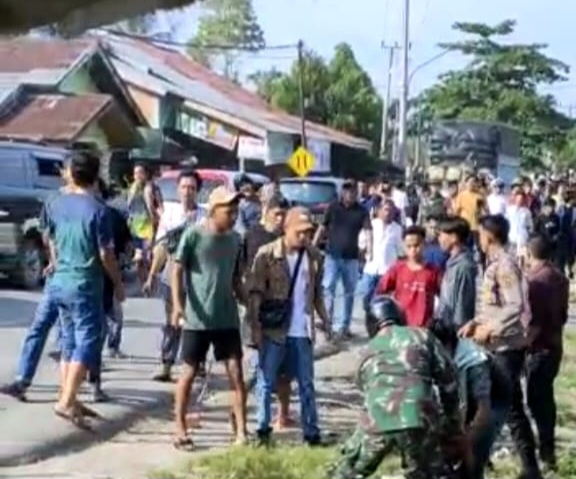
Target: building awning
(160, 145)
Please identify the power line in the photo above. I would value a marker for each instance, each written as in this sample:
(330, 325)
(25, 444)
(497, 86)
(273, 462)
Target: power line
(174, 43)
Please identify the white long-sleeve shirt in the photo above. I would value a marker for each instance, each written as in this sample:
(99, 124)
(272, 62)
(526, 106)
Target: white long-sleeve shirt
(497, 204)
(520, 219)
(387, 247)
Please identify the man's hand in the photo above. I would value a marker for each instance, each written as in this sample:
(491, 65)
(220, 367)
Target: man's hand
(177, 317)
(149, 286)
(119, 292)
(48, 270)
(256, 336)
(482, 334)
(468, 329)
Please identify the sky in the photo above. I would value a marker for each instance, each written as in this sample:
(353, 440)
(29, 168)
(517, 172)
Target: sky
(365, 24)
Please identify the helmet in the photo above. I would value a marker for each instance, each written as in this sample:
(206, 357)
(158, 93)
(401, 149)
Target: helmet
(384, 311)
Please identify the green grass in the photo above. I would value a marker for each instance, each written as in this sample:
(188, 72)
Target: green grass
(292, 462)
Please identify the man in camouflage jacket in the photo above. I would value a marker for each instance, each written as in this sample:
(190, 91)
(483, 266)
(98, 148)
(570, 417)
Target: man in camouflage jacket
(402, 373)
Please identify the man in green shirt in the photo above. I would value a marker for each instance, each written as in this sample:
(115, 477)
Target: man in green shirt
(206, 285)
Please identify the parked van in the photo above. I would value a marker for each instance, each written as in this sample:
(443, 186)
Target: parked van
(31, 166)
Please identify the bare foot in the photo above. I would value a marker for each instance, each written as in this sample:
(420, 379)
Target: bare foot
(194, 420)
(284, 423)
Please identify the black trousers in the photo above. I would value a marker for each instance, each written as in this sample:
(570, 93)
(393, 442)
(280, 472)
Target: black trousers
(542, 367)
(512, 363)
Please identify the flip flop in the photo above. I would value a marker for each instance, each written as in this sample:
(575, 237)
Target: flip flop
(74, 417)
(185, 444)
(88, 412)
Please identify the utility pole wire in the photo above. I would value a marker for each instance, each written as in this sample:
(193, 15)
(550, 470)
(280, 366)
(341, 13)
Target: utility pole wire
(301, 95)
(167, 42)
(403, 107)
(386, 103)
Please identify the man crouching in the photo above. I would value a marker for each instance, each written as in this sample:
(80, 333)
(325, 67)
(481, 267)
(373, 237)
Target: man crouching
(398, 375)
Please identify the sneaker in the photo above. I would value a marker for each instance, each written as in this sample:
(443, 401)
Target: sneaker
(164, 376)
(314, 441)
(99, 396)
(55, 356)
(116, 354)
(263, 438)
(17, 390)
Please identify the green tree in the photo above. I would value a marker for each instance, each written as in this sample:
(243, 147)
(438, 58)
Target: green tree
(339, 93)
(500, 83)
(226, 23)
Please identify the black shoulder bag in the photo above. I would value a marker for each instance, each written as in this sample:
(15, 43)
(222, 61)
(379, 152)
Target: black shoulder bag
(275, 313)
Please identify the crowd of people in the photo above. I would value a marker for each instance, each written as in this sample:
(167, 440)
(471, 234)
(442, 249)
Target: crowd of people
(444, 366)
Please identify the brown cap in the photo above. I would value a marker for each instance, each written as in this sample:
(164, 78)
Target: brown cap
(222, 196)
(298, 218)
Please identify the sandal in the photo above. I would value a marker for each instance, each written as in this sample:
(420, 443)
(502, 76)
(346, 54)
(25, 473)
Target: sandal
(74, 417)
(87, 412)
(185, 444)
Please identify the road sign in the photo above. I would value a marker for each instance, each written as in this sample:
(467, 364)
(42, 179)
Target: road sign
(301, 161)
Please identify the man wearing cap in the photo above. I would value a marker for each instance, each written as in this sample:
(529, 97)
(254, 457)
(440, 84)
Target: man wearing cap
(207, 262)
(285, 292)
(497, 200)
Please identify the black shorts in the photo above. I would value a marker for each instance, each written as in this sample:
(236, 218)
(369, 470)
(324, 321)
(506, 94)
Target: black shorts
(227, 344)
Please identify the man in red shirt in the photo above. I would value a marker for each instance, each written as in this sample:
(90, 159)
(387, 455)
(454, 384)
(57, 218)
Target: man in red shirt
(413, 283)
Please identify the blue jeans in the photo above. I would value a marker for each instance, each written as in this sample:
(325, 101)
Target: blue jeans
(483, 445)
(115, 324)
(82, 321)
(295, 358)
(367, 287)
(334, 270)
(45, 317)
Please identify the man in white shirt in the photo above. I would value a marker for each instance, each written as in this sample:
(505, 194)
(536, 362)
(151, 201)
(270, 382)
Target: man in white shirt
(173, 220)
(400, 199)
(497, 200)
(387, 248)
(519, 217)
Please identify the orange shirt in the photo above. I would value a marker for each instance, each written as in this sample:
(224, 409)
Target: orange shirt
(469, 205)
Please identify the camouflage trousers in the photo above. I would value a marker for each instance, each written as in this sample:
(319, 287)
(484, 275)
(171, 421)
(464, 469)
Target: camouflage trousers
(363, 452)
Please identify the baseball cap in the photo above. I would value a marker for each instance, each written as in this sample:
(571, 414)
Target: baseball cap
(298, 218)
(497, 183)
(222, 196)
(517, 182)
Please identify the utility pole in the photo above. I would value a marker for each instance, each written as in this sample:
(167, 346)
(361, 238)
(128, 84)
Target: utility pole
(403, 107)
(302, 98)
(386, 104)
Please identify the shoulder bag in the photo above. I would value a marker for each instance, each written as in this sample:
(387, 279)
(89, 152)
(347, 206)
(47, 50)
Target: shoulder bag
(275, 313)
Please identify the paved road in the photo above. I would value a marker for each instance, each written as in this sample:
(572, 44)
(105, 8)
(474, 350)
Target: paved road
(31, 431)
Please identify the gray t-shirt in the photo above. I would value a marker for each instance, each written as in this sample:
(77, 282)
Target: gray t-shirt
(210, 261)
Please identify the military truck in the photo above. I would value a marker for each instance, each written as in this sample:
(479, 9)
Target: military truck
(457, 147)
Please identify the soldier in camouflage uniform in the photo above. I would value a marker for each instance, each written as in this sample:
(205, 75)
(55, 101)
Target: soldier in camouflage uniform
(398, 375)
(433, 204)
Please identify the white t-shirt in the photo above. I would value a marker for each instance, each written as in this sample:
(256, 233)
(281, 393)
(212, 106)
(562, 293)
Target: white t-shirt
(387, 247)
(497, 203)
(400, 200)
(299, 320)
(520, 219)
(173, 217)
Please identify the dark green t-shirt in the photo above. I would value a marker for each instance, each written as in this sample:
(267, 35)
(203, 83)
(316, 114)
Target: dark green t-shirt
(209, 261)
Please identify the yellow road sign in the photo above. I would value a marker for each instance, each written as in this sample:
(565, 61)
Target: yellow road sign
(301, 161)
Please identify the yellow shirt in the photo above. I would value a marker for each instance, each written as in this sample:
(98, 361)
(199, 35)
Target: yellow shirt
(468, 205)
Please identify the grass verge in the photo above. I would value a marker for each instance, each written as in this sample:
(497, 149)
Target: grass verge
(297, 462)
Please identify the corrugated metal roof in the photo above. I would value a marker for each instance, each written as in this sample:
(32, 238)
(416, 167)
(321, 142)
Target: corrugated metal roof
(144, 70)
(55, 118)
(171, 70)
